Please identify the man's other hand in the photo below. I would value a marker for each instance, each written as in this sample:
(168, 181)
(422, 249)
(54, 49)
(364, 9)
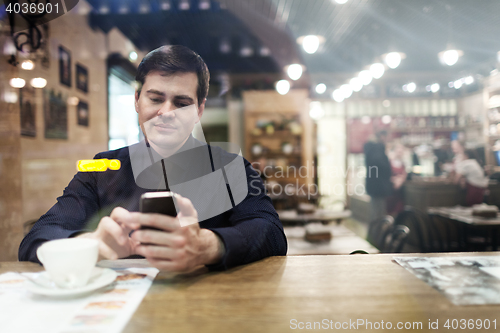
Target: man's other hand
(180, 244)
(113, 235)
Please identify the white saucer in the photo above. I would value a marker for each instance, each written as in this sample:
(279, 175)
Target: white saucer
(100, 277)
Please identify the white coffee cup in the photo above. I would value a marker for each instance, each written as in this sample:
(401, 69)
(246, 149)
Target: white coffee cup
(70, 261)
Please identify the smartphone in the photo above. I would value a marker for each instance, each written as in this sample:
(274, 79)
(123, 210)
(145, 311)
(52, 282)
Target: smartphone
(158, 202)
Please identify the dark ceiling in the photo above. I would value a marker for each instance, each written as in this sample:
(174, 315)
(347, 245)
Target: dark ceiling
(356, 33)
(203, 30)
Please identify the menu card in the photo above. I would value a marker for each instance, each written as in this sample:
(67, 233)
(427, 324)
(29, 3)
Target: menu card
(463, 280)
(106, 310)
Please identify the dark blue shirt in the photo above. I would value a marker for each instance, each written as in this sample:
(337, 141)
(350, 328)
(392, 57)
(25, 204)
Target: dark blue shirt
(250, 231)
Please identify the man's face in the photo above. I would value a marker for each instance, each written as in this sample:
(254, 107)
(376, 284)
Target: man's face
(168, 109)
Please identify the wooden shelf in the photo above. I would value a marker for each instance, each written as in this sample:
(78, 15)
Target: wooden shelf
(263, 106)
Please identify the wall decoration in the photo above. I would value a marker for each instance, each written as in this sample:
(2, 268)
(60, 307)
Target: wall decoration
(82, 113)
(82, 78)
(64, 66)
(28, 111)
(56, 115)
(45, 47)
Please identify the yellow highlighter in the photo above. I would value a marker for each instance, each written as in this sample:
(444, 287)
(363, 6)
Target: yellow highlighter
(99, 165)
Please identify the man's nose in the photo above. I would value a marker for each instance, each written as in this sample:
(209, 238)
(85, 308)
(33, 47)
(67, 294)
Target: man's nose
(167, 109)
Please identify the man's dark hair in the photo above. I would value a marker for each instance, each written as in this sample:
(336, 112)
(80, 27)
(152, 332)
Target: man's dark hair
(173, 59)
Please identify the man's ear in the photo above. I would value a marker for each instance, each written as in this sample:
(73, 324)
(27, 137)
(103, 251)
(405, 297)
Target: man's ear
(136, 103)
(201, 108)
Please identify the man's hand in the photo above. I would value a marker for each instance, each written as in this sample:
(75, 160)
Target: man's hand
(113, 235)
(181, 245)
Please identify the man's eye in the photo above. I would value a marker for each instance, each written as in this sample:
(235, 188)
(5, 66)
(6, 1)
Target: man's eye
(156, 100)
(181, 105)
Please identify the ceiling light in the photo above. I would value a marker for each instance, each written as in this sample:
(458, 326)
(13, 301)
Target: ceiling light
(451, 84)
(310, 43)
(265, 51)
(123, 9)
(341, 2)
(104, 9)
(184, 5)
(246, 51)
(346, 90)
(338, 96)
(386, 119)
(225, 46)
(469, 80)
(27, 65)
(144, 8)
(435, 87)
(294, 71)
(377, 70)
(282, 87)
(204, 4)
(132, 56)
(457, 84)
(321, 88)
(365, 76)
(450, 57)
(393, 59)
(17, 82)
(165, 5)
(411, 87)
(38, 82)
(356, 84)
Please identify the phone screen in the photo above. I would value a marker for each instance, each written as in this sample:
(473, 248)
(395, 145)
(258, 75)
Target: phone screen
(159, 203)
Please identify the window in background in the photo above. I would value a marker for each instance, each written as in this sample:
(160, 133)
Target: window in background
(123, 120)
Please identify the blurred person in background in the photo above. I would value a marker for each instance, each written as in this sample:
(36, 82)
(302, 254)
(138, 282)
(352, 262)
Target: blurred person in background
(458, 156)
(443, 155)
(378, 175)
(470, 175)
(395, 202)
(459, 152)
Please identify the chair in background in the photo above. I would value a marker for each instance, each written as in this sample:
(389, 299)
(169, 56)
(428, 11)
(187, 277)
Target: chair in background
(379, 230)
(424, 235)
(396, 240)
(451, 233)
(387, 236)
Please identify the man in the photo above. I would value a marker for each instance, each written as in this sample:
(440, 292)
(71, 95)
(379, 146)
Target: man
(378, 175)
(170, 100)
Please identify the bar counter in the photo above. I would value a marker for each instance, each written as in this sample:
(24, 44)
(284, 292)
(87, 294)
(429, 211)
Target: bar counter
(435, 192)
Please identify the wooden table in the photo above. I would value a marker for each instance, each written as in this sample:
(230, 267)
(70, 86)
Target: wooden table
(464, 214)
(343, 241)
(265, 296)
(469, 222)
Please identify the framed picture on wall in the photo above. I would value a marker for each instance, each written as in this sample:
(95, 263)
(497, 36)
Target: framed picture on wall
(82, 78)
(82, 113)
(28, 112)
(64, 66)
(55, 115)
